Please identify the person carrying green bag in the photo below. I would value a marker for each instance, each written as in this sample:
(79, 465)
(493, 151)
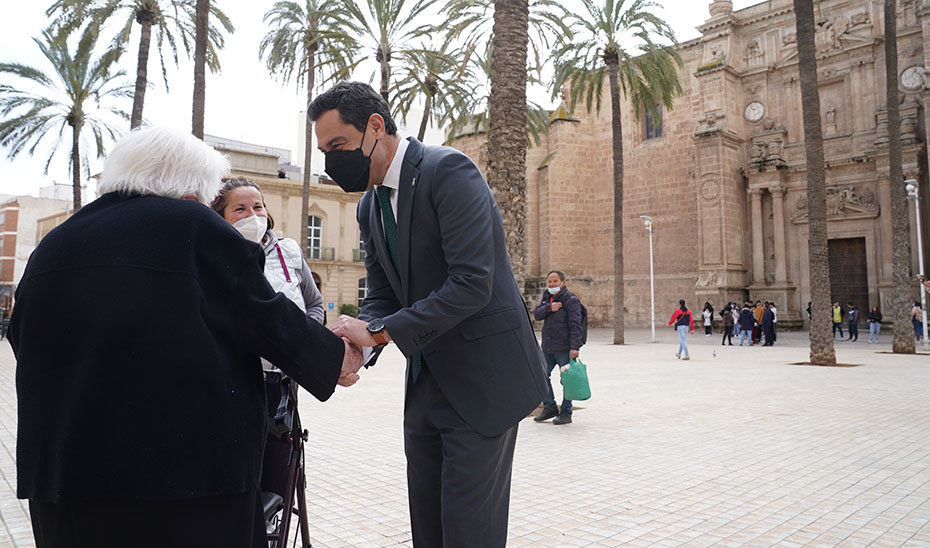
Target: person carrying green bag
(562, 337)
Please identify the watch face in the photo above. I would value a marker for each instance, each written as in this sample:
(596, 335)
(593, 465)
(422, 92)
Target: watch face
(913, 78)
(754, 111)
(376, 325)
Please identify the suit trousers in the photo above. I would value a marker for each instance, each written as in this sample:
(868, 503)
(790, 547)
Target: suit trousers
(227, 521)
(458, 480)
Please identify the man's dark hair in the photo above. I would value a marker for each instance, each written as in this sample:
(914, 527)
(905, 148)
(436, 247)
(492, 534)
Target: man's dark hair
(559, 272)
(355, 102)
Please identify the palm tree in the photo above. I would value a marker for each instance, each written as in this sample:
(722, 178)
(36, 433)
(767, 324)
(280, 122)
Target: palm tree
(647, 76)
(903, 342)
(822, 351)
(473, 117)
(512, 27)
(506, 171)
(443, 79)
(472, 22)
(387, 27)
(75, 94)
(201, 34)
(305, 41)
(171, 21)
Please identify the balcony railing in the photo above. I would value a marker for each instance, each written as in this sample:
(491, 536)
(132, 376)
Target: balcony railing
(321, 254)
(358, 255)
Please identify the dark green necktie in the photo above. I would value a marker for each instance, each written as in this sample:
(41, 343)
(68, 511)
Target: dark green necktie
(390, 235)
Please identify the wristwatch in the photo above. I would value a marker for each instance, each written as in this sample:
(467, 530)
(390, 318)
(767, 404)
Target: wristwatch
(376, 328)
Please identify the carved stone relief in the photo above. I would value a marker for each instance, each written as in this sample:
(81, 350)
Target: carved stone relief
(708, 278)
(842, 202)
(909, 111)
(767, 148)
(832, 34)
(754, 55)
(709, 124)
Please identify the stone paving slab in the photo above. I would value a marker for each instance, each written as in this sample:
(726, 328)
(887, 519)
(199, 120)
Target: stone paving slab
(734, 448)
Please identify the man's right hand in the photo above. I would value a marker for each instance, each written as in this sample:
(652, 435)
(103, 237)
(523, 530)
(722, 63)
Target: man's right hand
(352, 361)
(555, 307)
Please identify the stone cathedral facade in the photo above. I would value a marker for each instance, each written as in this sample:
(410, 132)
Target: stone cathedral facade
(723, 173)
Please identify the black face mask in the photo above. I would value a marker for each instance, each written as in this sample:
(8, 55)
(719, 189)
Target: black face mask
(350, 168)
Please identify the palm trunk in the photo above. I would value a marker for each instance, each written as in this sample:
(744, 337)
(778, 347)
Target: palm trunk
(385, 77)
(76, 164)
(138, 98)
(903, 342)
(822, 351)
(308, 155)
(617, 131)
(506, 170)
(200, 65)
(426, 109)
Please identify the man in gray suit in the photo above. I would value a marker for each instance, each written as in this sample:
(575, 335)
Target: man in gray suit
(441, 288)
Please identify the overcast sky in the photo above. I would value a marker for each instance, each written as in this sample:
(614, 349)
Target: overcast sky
(243, 102)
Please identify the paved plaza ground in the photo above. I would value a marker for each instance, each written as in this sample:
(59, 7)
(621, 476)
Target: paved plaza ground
(734, 449)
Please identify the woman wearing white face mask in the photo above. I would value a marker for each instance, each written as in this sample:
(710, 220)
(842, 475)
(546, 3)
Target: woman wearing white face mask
(240, 202)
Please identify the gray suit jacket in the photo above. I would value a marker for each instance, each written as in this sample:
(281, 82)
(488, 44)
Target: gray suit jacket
(455, 298)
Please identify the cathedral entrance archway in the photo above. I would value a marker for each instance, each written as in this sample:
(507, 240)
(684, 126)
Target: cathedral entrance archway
(849, 278)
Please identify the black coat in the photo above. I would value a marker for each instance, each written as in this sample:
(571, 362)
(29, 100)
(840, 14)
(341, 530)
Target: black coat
(137, 330)
(768, 318)
(561, 331)
(747, 320)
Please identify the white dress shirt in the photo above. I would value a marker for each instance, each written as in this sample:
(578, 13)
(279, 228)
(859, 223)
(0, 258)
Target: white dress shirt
(392, 177)
(392, 181)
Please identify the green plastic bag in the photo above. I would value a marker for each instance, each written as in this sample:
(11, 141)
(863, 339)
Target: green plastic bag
(575, 381)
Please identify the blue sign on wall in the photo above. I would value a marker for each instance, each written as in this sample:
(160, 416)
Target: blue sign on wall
(331, 305)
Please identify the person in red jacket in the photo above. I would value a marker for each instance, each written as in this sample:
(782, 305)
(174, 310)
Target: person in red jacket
(682, 320)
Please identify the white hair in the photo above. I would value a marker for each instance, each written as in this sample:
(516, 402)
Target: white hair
(164, 162)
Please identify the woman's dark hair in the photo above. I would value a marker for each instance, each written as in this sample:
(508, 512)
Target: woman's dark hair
(231, 183)
(356, 102)
(681, 302)
(559, 272)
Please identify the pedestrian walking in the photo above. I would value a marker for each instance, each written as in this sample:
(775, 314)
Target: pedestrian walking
(682, 321)
(853, 319)
(708, 315)
(917, 320)
(774, 323)
(838, 314)
(875, 325)
(727, 315)
(747, 320)
(768, 323)
(757, 311)
(560, 311)
(734, 310)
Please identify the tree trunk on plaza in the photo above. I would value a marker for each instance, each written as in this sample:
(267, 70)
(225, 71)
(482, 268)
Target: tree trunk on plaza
(384, 61)
(308, 154)
(506, 170)
(617, 132)
(76, 163)
(903, 342)
(145, 20)
(821, 345)
(200, 65)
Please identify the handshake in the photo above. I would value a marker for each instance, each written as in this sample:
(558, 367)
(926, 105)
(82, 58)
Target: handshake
(355, 335)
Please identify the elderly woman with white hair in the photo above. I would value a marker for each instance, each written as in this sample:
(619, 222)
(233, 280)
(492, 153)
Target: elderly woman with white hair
(137, 329)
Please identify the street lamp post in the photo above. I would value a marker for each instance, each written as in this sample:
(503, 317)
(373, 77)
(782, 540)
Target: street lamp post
(914, 195)
(652, 286)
